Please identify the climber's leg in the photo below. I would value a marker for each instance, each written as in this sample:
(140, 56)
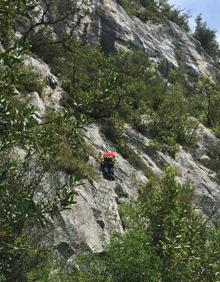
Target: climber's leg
(105, 172)
(111, 173)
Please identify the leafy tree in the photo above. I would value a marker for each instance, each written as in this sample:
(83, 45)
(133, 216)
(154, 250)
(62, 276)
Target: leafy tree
(185, 77)
(112, 89)
(173, 127)
(92, 82)
(31, 81)
(20, 180)
(207, 38)
(177, 16)
(205, 102)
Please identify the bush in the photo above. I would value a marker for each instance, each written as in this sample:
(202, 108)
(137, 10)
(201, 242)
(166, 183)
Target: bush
(205, 103)
(29, 81)
(171, 122)
(113, 129)
(207, 38)
(216, 130)
(75, 163)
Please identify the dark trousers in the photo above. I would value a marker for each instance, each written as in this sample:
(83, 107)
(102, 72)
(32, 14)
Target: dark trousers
(108, 171)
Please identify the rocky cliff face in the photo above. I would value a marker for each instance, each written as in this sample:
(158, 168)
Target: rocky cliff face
(108, 23)
(95, 214)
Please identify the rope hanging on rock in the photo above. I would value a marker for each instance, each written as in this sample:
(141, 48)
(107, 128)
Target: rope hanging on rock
(78, 222)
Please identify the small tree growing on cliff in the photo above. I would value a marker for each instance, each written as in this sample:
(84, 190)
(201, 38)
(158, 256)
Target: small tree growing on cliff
(205, 102)
(207, 38)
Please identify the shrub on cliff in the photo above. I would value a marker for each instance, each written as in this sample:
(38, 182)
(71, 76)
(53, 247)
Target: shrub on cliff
(207, 38)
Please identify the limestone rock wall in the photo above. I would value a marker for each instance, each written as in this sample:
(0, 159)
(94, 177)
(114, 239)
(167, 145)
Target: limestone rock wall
(98, 200)
(95, 213)
(109, 24)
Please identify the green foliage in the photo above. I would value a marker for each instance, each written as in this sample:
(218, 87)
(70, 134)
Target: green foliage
(60, 143)
(113, 129)
(125, 88)
(22, 257)
(21, 177)
(92, 81)
(128, 259)
(184, 77)
(207, 38)
(201, 97)
(28, 81)
(41, 44)
(74, 162)
(157, 11)
(165, 240)
(174, 15)
(15, 118)
(206, 101)
(145, 10)
(173, 127)
(8, 13)
(30, 153)
(21, 183)
(216, 130)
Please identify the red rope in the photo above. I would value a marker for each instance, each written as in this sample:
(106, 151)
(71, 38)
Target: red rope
(78, 223)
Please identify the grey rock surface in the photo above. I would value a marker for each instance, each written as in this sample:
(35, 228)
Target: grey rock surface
(95, 214)
(52, 93)
(37, 102)
(109, 24)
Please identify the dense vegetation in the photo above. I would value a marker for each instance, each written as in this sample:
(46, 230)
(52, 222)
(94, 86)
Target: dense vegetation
(207, 38)
(164, 234)
(126, 88)
(156, 11)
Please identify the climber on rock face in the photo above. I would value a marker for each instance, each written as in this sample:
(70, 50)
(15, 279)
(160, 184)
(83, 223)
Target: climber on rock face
(107, 164)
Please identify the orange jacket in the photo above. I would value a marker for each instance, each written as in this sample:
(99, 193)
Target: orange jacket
(105, 155)
(109, 154)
